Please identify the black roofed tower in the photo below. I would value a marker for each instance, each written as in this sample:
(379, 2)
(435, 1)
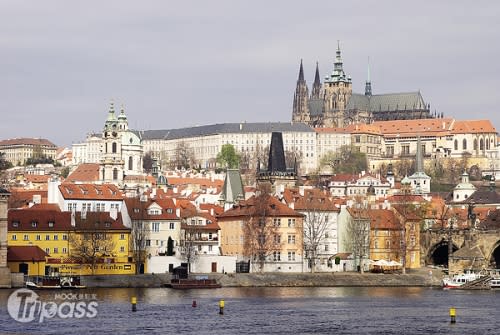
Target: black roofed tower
(277, 174)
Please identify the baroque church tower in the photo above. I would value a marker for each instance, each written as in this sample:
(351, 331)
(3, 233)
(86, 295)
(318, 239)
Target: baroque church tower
(111, 169)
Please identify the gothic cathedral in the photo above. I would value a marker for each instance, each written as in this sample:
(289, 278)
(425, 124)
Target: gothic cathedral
(333, 104)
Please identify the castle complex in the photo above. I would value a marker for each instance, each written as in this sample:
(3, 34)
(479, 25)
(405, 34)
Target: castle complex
(333, 103)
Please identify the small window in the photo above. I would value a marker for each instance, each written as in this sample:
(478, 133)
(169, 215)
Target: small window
(38, 237)
(51, 224)
(65, 237)
(107, 224)
(64, 250)
(122, 249)
(14, 238)
(122, 236)
(26, 238)
(15, 224)
(47, 237)
(56, 250)
(56, 237)
(34, 224)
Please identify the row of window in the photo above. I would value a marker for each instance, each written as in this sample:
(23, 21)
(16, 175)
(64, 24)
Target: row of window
(64, 237)
(277, 256)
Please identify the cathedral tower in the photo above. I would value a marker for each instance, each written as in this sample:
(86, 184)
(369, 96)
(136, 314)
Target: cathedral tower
(300, 99)
(338, 91)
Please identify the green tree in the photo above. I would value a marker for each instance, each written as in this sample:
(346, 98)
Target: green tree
(347, 159)
(228, 157)
(4, 163)
(65, 172)
(147, 162)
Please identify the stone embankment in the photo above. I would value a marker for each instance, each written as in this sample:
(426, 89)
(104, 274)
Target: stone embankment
(420, 277)
(416, 278)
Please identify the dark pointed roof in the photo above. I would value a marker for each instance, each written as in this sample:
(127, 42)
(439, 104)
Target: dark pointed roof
(276, 160)
(301, 72)
(316, 76)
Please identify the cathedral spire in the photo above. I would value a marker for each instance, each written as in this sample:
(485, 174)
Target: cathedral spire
(316, 89)
(300, 98)
(368, 84)
(301, 72)
(338, 74)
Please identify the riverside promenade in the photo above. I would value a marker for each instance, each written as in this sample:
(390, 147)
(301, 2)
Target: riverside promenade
(426, 277)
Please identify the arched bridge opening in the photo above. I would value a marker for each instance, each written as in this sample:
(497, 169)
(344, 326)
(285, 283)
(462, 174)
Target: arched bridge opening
(438, 255)
(495, 257)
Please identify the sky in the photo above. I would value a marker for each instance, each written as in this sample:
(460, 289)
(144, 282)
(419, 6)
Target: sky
(174, 64)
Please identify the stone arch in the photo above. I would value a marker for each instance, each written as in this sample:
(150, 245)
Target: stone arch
(438, 253)
(494, 258)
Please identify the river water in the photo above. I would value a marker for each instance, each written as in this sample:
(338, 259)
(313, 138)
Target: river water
(335, 310)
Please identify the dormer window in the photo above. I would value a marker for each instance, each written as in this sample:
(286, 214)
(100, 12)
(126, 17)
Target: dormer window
(107, 224)
(51, 224)
(170, 210)
(34, 224)
(15, 224)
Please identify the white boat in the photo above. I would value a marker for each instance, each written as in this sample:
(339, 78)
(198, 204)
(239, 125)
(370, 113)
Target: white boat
(460, 279)
(495, 283)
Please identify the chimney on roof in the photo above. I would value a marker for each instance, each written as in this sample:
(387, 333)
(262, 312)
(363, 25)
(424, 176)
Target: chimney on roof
(153, 193)
(212, 211)
(175, 201)
(177, 211)
(73, 223)
(292, 205)
(301, 190)
(113, 213)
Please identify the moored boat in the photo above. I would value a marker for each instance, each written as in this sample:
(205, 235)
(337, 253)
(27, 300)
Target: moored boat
(495, 283)
(461, 279)
(54, 282)
(185, 284)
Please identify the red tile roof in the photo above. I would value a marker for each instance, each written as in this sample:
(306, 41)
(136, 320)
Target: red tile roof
(88, 172)
(50, 218)
(90, 191)
(138, 210)
(473, 127)
(273, 207)
(383, 219)
(27, 141)
(30, 253)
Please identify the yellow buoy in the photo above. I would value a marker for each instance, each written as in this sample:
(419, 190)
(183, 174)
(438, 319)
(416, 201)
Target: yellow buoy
(453, 315)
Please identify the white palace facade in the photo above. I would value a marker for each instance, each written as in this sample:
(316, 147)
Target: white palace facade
(380, 140)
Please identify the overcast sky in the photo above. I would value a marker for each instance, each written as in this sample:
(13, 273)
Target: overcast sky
(183, 63)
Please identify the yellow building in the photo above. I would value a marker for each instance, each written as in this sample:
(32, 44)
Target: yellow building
(18, 150)
(279, 226)
(80, 243)
(27, 259)
(385, 235)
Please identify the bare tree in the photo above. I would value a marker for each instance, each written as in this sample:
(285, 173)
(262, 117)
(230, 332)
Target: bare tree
(90, 241)
(316, 210)
(184, 156)
(261, 231)
(140, 236)
(358, 232)
(190, 237)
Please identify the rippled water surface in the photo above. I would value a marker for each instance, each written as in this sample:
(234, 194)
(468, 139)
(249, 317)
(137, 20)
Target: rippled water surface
(337, 310)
